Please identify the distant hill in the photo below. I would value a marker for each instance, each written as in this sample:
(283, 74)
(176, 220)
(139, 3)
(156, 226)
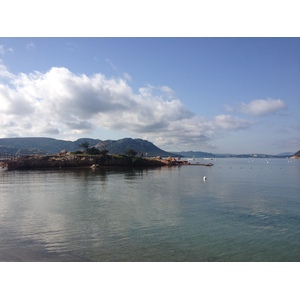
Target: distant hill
(53, 146)
(45, 144)
(138, 145)
(50, 145)
(195, 154)
(285, 154)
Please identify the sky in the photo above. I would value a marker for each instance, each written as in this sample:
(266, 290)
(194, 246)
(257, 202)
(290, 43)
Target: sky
(220, 95)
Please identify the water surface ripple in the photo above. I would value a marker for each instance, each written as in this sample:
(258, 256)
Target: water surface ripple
(246, 210)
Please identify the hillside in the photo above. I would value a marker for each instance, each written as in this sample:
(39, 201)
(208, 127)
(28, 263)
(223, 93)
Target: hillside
(45, 144)
(50, 145)
(138, 145)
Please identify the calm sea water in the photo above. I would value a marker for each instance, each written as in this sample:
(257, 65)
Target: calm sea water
(246, 210)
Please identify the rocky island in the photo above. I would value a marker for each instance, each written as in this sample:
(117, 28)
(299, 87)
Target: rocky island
(69, 160)
(96, 156)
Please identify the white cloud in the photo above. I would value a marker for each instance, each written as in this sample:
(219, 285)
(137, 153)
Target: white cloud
(4, 72)
(4, 50)
(127, 77)
(62, 104)
(228, 108)
(114, 67)
(262, 107)
(169, 92)
(229, 122)
(30, 46)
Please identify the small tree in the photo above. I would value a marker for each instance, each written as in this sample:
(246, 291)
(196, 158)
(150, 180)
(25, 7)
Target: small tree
(93, 151)
(104, 152)
(130, 152)
(85, 145)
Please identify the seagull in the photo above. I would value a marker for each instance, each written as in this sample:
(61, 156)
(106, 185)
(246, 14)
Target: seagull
(204, 178)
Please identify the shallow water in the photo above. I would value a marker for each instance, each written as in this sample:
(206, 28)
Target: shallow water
(246, 210)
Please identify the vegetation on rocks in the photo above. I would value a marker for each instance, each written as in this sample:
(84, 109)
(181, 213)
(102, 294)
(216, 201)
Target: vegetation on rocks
(70, 160)
(130, 152)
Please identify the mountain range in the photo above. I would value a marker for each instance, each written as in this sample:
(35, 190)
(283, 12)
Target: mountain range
(42, 145)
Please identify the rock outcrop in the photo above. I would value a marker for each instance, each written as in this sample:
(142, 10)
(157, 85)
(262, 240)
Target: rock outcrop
(66, 160)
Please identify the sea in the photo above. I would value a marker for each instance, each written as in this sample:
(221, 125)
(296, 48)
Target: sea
(238, 210)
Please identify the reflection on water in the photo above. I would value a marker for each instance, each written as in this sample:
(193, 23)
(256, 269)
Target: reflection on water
(240, 213)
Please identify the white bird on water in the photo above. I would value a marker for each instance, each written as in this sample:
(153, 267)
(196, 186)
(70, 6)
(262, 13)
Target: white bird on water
(204, 178)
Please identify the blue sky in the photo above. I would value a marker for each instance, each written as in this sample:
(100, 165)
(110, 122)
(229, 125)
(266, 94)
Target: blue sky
(222, 95)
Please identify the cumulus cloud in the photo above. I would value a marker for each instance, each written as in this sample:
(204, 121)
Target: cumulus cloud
(262, 107)
(62, 104)
(196, 132)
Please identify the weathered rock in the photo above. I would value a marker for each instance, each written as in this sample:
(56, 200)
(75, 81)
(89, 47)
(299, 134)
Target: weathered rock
(62, 152)
(70, 161)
